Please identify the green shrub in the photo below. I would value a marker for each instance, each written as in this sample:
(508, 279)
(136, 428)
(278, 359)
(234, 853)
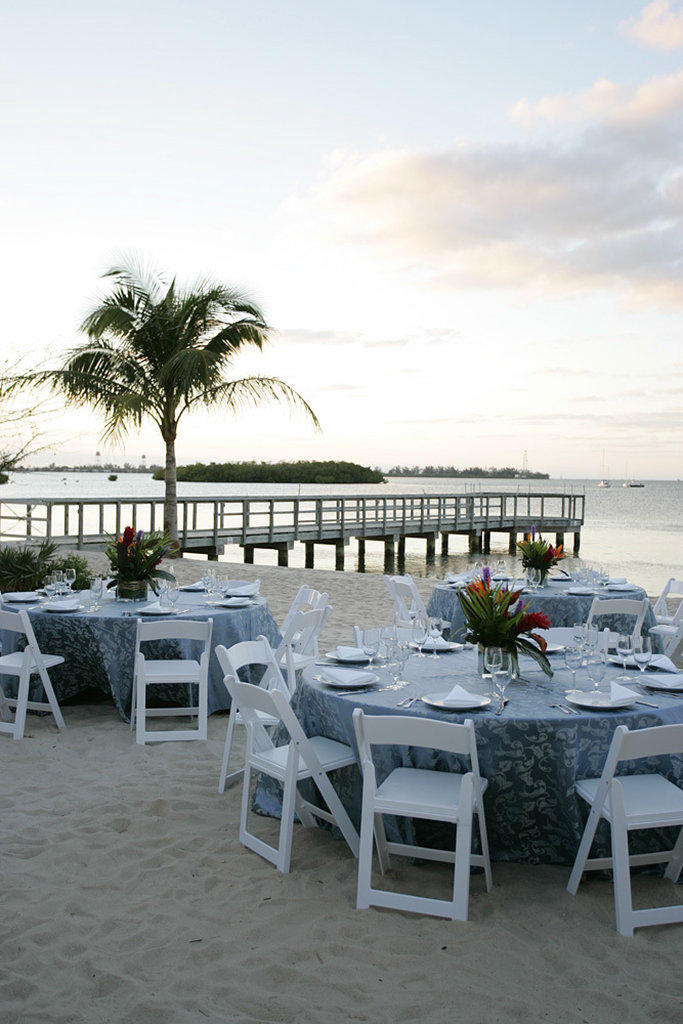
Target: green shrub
(25, 568)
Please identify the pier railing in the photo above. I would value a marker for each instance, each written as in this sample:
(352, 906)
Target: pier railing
(207, 524)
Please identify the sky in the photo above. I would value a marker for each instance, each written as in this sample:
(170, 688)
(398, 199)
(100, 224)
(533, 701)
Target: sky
(463, 220)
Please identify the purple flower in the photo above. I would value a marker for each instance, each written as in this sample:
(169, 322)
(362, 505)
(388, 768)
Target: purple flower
(533, 532)
(486, 576)
(518, 607)
(138, 536)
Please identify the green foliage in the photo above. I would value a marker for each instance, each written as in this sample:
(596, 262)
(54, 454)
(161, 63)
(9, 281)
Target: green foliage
(25, 568)
(136, 556)
(3, 478)
(492, 622)
(278, 472)
(473, 472)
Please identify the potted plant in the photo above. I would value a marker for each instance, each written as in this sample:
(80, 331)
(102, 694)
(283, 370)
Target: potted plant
(539, 554)
(498, 617)
(134, 560)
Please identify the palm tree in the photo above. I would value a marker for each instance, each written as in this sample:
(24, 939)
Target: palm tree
(158, 351)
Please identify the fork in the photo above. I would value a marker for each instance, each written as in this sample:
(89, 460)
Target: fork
(563, 707)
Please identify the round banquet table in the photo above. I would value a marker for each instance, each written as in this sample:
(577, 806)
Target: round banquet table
(531, 754)
(554, 600)
(99, 647)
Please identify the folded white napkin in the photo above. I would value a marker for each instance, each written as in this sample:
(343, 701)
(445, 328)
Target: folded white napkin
(235, 588)
(457, 577)
(500, 576)
(232, 602)
(665, 681)
(458, 693)
(619, 693)
(347, 676)
(69, 604)
(435, 643)
(617, 579)
(155, 609)
(621, 586)
(350, 653)
(194, 586)
(658, 661)
(579, 590)
(21, 595)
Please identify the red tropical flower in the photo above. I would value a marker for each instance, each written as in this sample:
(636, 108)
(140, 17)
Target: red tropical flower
(533, 620)
(128, 536)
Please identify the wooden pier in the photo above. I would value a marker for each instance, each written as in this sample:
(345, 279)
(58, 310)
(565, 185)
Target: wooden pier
(207, 524)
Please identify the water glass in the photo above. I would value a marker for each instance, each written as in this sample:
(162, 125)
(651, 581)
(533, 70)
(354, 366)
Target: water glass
(573, 659)
(69, 578)
(642, 652)
(500, 677)
(597, 667)
(173, 593)
(624, 652)
(370, 643)
(96, 588)
(493, 659)
(435, 629)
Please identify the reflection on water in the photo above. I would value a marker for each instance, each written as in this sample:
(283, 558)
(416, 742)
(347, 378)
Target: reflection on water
(635, 532)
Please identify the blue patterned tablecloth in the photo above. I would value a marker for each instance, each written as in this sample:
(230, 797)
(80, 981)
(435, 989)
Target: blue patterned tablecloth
(531, 755)
(561, 607)
(98, 647)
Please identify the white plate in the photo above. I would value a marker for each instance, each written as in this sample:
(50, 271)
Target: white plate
(428, 645)
(156, 611)
(436, 700)
(62, 611)
(581, 591)
(25, 597)
(599, 701)
(333, 656)
(349, 684)
(671, 685)
(232, 602)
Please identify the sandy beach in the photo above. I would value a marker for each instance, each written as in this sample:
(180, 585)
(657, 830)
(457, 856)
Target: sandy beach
(128, 898)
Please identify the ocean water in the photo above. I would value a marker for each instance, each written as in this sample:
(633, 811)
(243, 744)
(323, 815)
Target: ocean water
(635, 532)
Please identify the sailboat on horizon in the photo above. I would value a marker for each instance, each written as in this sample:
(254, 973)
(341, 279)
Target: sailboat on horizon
(605, 482)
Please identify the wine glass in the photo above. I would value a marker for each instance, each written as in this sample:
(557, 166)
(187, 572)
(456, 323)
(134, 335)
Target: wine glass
(573, 659)
(624, 652)
(597, 667)
(435, 629)
(501, 568)
(478, 568)
(49, 586)
(96, 587)
(642, 652)
(500, 677)
(493, 659)
(370, 644)
(421, 636)
(579, 633)
(173, 593)
(69, 578)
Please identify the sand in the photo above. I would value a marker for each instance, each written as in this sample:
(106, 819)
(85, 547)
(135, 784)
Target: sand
(126, 897)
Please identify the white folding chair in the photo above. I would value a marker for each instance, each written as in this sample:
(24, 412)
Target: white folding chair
(257, 653)
(408, 604)
(301, 637)
(420, 793)
(631, 802)
(306, 600)
(24, 664)
(171, 672)
(669, 626)
(302, 758)
(673, 589)
(619, 606)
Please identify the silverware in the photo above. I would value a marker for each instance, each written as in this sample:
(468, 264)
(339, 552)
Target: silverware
(407, 702)
(647, 703)
(563, 707)
(505, 701)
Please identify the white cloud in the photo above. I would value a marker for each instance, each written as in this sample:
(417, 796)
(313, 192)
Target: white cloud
(658, 26)
(601, 210)
(657, 98)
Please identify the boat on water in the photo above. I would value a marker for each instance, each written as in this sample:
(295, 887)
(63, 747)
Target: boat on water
(604, 483)
(632, 483)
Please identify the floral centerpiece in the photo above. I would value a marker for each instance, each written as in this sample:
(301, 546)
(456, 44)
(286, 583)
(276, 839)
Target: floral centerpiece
(134, 560)
(498, 617)
(539, 554)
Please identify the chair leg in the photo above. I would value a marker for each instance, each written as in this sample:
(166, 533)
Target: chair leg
(203, 708)
(140, 713)
(226, 749)
(133, 700)
(337, 808)
(246, 786)
(381, 843)
(620, 864)
(365, 854)
(583, 851)
(675, 865)
(5, 713)
(484, 840)
(21, 708)
(287, 819)
(463, 852)
(51, 699)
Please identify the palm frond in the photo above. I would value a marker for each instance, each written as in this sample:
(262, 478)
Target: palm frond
(250, 391)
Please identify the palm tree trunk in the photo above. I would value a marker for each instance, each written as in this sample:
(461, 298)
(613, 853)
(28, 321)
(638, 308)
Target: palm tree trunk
(171, 498)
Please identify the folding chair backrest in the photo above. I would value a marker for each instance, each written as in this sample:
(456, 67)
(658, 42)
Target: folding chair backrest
(307, 599)
(19, 622)
(620, 606)
(672, 589)
(653, 742)
(251, 699)
(404, 730)
(175, 629)
(249, 653)
(305, 628)
(407, 601)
